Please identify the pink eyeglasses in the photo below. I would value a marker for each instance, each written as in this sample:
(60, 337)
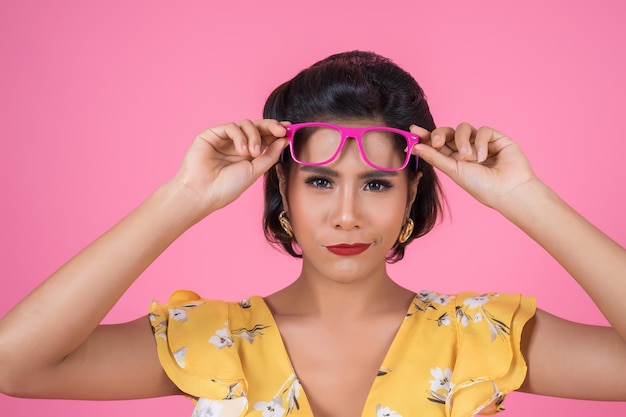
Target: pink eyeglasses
(383, 148)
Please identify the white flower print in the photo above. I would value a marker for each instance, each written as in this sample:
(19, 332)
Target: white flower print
(288, 393)
(444, 320)
(425, 300)
(207, 408)
(272, 408)
(222, 339)
(442, 379)
(426, 296)
(440, 386)
(385, 412)
(462, 317)
(159, 328)
(292, 395)
(478, 318)
(497, 328)
(480, 314)
(477, 301)
(180, 356)
(235, 391)
(443, 299)
(178, 314)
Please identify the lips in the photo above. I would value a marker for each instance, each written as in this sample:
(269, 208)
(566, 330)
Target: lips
(348, 250)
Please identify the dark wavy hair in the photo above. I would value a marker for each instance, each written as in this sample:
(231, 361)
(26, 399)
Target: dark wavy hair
(348, 86)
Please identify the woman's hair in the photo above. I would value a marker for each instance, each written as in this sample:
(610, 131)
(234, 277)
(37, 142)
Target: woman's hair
(349, 86)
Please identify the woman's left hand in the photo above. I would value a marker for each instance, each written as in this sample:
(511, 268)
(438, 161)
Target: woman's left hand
(484, 162)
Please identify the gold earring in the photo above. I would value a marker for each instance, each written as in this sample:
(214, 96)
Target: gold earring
(406, 231)
(285, 224)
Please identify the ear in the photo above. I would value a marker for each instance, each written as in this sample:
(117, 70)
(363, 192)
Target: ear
(282, 185)
(412, 193)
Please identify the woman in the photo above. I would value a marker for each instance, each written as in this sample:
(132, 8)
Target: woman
(347, 196)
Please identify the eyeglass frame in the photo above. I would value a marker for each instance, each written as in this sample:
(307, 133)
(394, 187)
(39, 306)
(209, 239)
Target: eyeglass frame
(355, 133)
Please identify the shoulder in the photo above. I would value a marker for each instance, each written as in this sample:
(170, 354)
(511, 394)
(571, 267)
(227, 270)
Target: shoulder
(483, 332)
(186, 313)
(195, 343)
(466, 308)
(187, 319)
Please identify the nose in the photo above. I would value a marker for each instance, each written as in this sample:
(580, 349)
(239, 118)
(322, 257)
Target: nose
(346, 213)
(347, 209)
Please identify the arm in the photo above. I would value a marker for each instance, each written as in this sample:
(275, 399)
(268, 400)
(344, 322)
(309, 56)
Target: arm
(569, 359)
(562, 356)
(84, 360)
(595, 261)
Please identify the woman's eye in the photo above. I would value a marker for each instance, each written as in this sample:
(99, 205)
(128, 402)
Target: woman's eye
(377, 185)
(319, 182)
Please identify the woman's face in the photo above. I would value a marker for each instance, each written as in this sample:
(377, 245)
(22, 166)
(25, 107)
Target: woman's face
(346, 215)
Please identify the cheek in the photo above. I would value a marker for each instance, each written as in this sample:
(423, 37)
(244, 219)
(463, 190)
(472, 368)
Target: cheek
(389, 214)
(303, 204)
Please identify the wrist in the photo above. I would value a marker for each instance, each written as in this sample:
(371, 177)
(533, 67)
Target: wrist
(525, 202)
(535, 208)
(180, 206)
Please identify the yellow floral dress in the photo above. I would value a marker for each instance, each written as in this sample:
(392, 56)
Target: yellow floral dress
(453, 355)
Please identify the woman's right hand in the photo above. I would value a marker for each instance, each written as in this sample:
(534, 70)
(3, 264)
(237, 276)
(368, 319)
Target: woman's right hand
(121, 360)
(224, 160)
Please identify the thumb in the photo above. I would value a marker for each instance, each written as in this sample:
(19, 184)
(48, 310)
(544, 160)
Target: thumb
(269, 157)
(434, 157)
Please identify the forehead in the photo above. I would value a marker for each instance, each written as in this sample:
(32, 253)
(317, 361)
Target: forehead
(366, 122)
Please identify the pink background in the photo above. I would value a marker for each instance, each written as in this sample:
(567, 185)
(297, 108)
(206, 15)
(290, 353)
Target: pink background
(99, 101)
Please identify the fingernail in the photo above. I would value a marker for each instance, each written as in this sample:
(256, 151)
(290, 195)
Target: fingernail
(257, 149)
(244, 148)
(463, 151)
(436, 139)
(481, 155)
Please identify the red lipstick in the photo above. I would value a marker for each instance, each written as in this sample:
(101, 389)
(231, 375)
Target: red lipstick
(348, 250)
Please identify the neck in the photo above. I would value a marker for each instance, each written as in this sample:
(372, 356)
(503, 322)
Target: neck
(339, 301)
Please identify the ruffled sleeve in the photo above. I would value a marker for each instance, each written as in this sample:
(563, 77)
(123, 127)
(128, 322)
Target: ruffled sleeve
(196, 348)
(489, 363)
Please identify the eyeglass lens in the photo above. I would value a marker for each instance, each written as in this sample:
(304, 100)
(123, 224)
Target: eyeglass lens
(318, 145)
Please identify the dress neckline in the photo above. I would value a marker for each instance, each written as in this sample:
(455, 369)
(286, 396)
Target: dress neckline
(399, 335)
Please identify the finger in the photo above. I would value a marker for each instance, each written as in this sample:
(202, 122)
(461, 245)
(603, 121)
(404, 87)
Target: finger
(443, 136)
(271, 127)
(437, 138)
(498, 141)
(222, 137)
(463, 138)
(233, 132)
(437, 159)
(484, 135)
(269, 157)
(253, 137)
(422, 133)
(270, 130)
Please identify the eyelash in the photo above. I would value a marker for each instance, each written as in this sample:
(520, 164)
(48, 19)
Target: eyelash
(315, 182)
(380, 183)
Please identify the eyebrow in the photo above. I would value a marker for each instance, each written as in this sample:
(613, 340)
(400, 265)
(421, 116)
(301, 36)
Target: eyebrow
(328, 172)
